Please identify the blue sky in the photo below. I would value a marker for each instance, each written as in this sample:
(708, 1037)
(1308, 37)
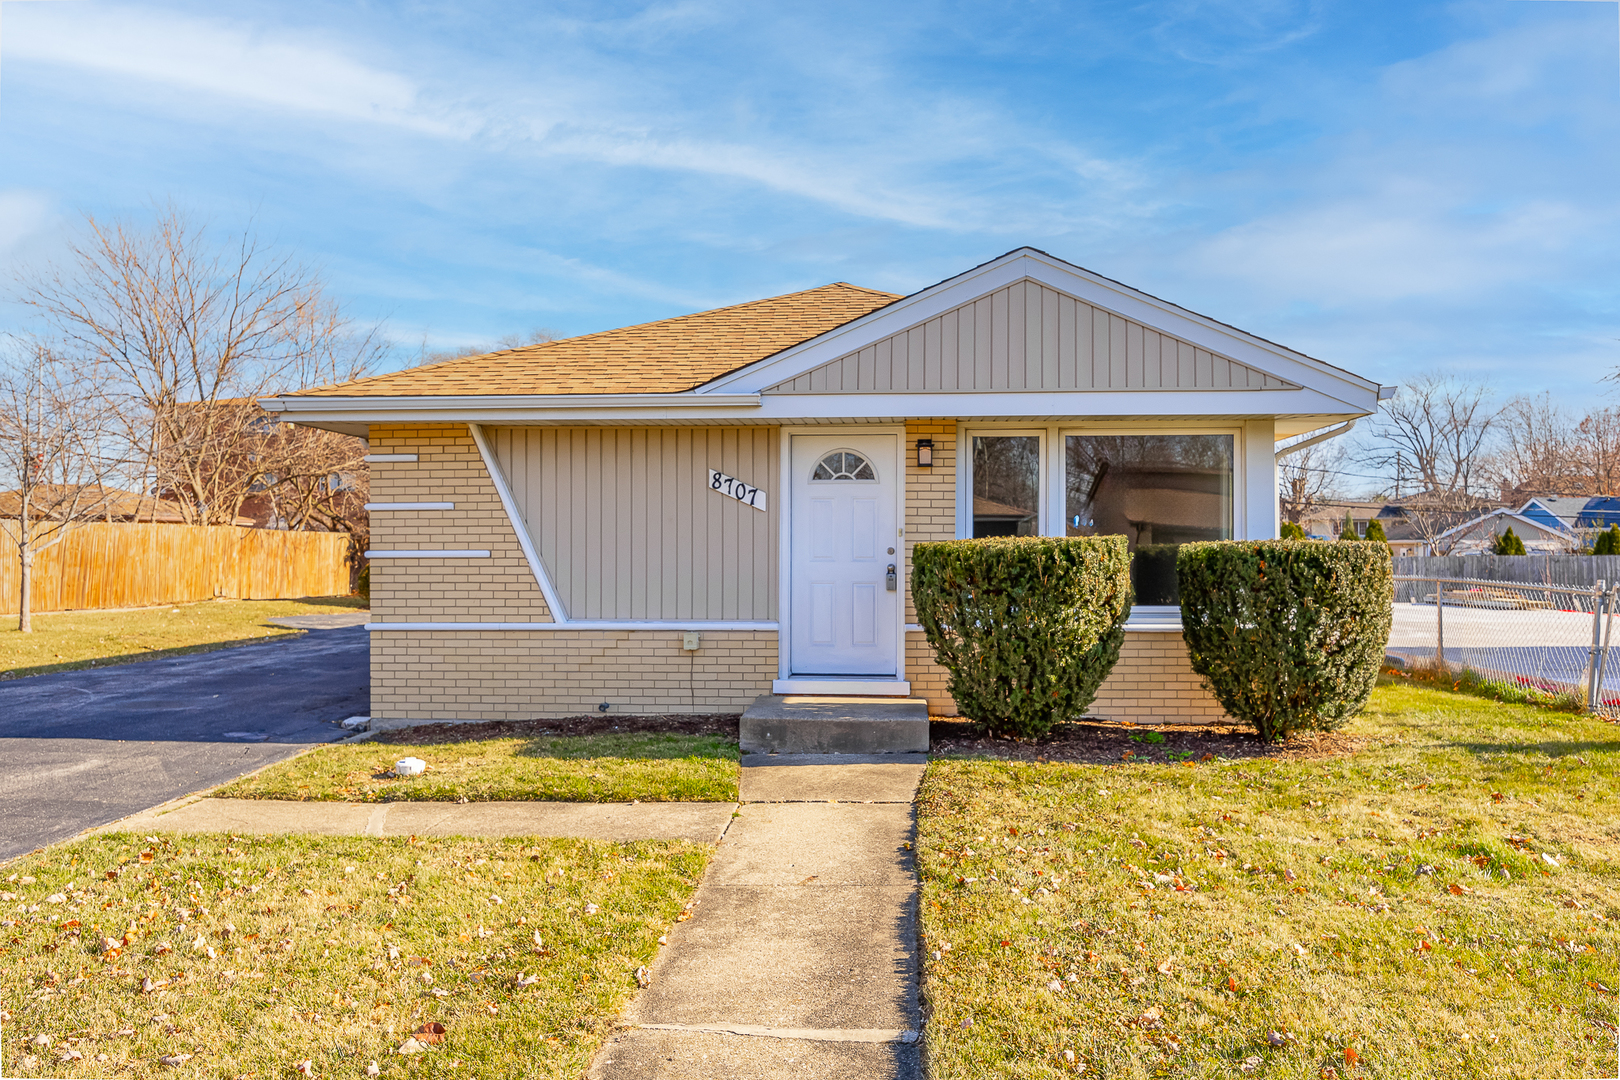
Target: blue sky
(1391, 186)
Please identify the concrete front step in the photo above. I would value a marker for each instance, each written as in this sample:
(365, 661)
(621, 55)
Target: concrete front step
(791, 724)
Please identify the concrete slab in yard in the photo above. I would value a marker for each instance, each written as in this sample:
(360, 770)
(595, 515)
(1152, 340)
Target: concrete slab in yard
(806, 725)
(641, 1053)
(796, 957)
(831, 777)
(793, 843)
(334, 621)
(704, 822)
(252, 816)
(699, 821)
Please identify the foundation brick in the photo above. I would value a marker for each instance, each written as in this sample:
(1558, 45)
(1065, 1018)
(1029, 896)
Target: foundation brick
(534, 674)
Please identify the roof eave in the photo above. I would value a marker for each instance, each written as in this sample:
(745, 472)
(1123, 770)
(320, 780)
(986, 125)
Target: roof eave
(1360, 394)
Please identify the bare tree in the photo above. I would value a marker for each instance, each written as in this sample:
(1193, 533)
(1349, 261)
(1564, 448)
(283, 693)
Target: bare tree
(1537, 454)
(1308, 478)
(539, 335)
(1596, 446)
(55, 458)
(190, 334)
(1433, 515)
(1440, 425)
(320, 483)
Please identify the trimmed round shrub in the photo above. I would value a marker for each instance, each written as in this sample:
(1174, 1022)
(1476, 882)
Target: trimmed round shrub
(1292, 531)
(1288, 635)
(1027, 626)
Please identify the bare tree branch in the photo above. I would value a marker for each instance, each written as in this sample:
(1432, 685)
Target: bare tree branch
(1438, 425)
(189, 334)
(56, 457)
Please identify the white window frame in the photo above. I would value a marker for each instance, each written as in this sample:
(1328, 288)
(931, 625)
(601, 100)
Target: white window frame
(964, 473)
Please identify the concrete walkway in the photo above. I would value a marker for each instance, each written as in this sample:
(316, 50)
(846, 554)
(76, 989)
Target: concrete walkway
(800, 958)
(700, 821)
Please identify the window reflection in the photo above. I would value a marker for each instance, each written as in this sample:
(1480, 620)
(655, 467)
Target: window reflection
(1157, 491)
(1006, 485)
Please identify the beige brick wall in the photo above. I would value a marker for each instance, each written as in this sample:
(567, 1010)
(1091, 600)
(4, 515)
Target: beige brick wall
(1154, 683)
(448, 468)
(930, 493)
(422, 675)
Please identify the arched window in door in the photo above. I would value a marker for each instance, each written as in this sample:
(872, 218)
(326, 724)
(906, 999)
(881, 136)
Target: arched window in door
(843, 465)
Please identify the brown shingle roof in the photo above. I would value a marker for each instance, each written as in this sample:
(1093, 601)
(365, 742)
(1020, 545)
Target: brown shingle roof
(654, 358)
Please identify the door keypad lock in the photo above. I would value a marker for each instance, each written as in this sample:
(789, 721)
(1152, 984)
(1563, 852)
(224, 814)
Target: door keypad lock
(892, 582)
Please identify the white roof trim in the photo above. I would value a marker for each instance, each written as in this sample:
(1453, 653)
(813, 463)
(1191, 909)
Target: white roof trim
(1358, 394)
(1326, 393)
(1475, 522)
(530, 403)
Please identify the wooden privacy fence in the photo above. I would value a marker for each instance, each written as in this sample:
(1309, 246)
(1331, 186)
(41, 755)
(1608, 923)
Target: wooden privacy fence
(118, 565)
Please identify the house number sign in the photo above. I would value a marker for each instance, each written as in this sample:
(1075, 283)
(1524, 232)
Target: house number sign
(733, 488)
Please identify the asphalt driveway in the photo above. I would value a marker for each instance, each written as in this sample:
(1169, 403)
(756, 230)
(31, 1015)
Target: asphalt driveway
(83, 748)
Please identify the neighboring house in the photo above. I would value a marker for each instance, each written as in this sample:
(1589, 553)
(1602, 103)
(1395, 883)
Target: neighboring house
(684, 515)
(1478, 536)
(1574, 513)
(1325, 521)
(111, 504)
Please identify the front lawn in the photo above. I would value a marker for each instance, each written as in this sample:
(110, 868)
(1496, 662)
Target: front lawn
(614, 767)
(71, 640)
(1442, 902)
(221, 956)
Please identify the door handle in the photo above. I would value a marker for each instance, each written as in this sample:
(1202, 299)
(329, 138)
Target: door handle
(892, 582)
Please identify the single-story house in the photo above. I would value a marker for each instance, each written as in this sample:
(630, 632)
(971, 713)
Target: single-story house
(687, 514)
(1574, 513)
(1326, 520)
(1477, 536)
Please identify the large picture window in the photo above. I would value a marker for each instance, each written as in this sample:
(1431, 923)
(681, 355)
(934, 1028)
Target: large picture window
(1157, 491)
(1006, 485)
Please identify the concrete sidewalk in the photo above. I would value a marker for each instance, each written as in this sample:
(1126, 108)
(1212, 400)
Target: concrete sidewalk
(699, 821)
(800, 958)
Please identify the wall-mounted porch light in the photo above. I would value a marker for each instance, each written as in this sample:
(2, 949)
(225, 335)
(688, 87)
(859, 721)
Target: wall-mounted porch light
(925, 453)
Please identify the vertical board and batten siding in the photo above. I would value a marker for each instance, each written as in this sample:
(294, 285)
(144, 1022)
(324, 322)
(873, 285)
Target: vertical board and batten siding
(1030, 337)
(627, 527)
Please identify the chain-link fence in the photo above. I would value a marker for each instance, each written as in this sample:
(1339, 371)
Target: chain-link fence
(1536, 638)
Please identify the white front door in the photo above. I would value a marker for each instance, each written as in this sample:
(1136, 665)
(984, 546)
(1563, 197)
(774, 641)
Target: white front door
(844, 536)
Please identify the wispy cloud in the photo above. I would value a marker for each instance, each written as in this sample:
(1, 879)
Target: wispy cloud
(1424, 182)
(263, 67)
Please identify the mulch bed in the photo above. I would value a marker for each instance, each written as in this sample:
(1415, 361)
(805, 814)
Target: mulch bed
(722, 724)
(1105, 743)
(1086, 742)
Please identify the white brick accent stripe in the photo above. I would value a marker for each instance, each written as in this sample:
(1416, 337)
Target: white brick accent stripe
(374, 458)
(519, 526)
(432, 553)
(411, 506)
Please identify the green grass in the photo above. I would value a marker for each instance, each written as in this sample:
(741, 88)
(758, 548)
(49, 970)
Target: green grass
(1444, 903)
(71, 640)
(1472, 682)
(567, 768)
(329, 950)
